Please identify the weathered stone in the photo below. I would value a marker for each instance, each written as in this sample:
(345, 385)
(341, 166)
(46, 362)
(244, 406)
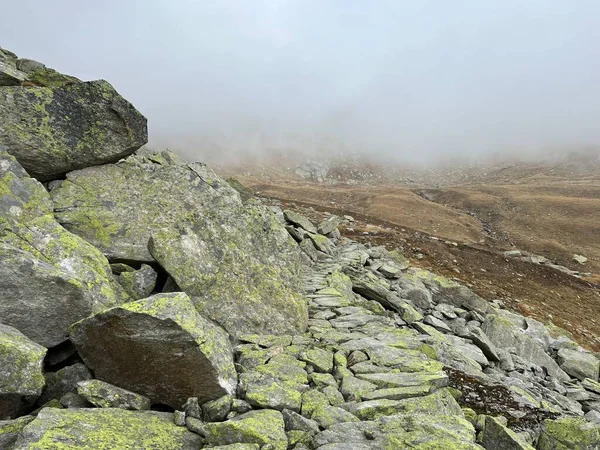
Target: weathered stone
(504, 334)
(393, 380)
(96, 428)
(10, 429)
(312, 400)
(321, 360)
(240, 267)
(49, 278)
(139, 283)
(495, 436)
(294, 421)
(569, 434)
(128, 345)
(74, 400)
(52, 131)
(117, 207)
(328, 225)
(217, 410)
(354, 388)
(10, 75)
(64, 381)
(579, 364)
(299, 220)
(21, 378)
(399, 393)
(264, 427)
(105, 395)
(334, 396)
(330, 415)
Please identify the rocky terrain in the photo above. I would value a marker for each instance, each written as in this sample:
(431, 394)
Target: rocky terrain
(147, 303)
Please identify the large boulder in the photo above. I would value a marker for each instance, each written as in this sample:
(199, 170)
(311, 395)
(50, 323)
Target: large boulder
(240, 267)
(105, 428)
(569, 433)
(159, 347)
(117, 207)
(579, 364)
(54, 130)
(49, 278)
(21, 377)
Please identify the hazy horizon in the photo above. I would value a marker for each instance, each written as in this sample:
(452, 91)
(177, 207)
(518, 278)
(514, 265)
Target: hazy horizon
(418, 81)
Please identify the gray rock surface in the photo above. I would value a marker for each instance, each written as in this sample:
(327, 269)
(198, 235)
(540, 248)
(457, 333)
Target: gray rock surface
(159, 347)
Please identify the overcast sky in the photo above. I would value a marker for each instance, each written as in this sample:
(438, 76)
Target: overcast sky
(417, 78)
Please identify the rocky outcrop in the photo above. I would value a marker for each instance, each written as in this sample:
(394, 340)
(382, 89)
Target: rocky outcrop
(54, 130)
(49, 278)
(21, 378)
(159, 347)
(90, 429)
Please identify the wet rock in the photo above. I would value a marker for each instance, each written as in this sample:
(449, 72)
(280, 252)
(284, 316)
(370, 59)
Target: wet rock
(105, 395)
(21, 378)
(264, 427)
(49, 278)
(54, 130)
(128, 345)
(91, 429)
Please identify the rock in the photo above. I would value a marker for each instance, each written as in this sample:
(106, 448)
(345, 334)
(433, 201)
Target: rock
(505, 334)
(321, 360)
(138, 283)
(437, 324)
(330, 415)
(495, 436)
(21, 378)
(73, 400)
(390, 270)
(105, 395)
(294, 421)
(579, 364)
(64, 381)
(569, 434)
(92, 429)
(217, 410)
(328, 225)
(264, 427)
(313, 400)
(591, 385)
(580, 259)
(117, 207)
(354, 388)
(9, 74)
(54, 130)
(10, 429)
(49, 278)
(299, 220)
(245, 192)
(480, 339)
(160, 347)
(240, 267)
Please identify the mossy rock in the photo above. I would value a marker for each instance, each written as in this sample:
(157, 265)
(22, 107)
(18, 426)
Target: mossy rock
(159, 347)
(105, 428)
(49, 278)
(21, 377)
(10, 429)
(105, 395)
(54, 130)
(572, 433)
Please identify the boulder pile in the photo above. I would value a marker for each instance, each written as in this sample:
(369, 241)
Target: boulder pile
(145, 304)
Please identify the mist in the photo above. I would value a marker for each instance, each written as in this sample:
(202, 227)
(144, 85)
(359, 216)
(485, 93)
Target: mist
(418, 81)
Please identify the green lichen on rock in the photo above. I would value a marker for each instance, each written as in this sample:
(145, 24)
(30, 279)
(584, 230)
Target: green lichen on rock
(105, 428)
(21, 377)
(241, 268)
(571, 433)
(263, 427)
(105, 395)
(10, 429)
(159, 347)
(49, 278)
(53, 130)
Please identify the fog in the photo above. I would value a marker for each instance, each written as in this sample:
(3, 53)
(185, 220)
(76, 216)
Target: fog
(408, 80)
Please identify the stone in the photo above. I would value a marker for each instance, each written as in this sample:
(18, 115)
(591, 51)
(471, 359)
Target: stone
(245, 192)
(10, 75)
(591, 385)
(264, 427)
(399, 393)
(52, 131)
(294, 421)
(10, 430)
(21, 376)
(334, 396)
(192, 408)
(495, 436)
(64, 381)
(410, 314)
(569, 433)
(240, 267)
(503, 333)
(299, 220)
(138, 283)
(96, 428)
(312, 400)
(394, 380)
(354, 388)
(74, 400)
(328, 225)
(330, 415)
(579, 364)
(390, 270)
(217, 410)
(49, 278)
(321, 360)
(437, 324)
(161, 348)
(105, 395)
(117, 207)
